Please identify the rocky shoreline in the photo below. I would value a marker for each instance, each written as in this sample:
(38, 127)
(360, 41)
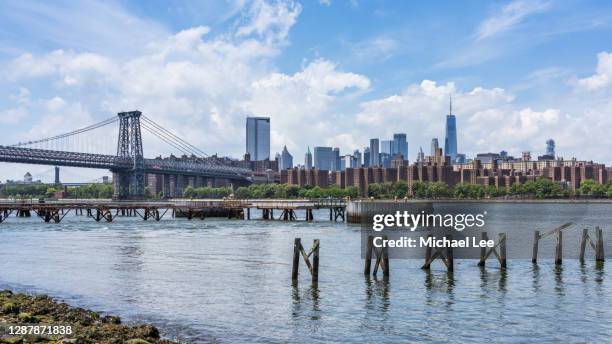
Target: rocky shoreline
(86, 326)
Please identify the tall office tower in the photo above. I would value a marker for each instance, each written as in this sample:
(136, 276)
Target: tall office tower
(400, 145)
(550, 147)
(385, 160)
(434, 146)
(347, 162)
(357, 158)
(323, 157)
(450, 142)
(420, 155)
(57, 175)
(374, 153)
(336, 159)
(308, 159)
(286, 160)
(366, 157)
(386, 146)
(258, 138)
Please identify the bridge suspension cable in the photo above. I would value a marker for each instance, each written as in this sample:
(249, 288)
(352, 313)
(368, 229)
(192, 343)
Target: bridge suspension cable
(189, 146)
(164, 138)
(72, 133)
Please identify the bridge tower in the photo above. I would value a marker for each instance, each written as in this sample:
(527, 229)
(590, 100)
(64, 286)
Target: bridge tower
(130, 184)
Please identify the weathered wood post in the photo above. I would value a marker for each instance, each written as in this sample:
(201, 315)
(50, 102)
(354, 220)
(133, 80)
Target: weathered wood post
(385, 258)
(583, 242)
(599, 255)
(536, 239)
(331, 215)
(559, 248)
(368, 256)
(449, 255)
(483, 250)
(427, 264)
(296, 258)
(502, 250)
(248, 213)
(315, 261)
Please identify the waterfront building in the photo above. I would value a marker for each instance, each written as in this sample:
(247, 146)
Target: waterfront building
(450, 141)
(323, 157)
(374, 152)
(308, 159)
(258, 138)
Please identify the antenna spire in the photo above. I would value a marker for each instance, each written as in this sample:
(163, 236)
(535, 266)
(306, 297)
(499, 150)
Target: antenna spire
(450, 105)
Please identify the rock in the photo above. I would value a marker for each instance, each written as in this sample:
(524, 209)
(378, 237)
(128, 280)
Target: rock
(137, 341)
(12, 340)
(146, 331)
(9, 308)
(110, 319)
(27, 317)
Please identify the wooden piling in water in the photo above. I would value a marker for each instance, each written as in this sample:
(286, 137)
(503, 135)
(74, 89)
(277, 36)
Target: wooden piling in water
(583, 242)
(483, 250)
(315, 262)
(313, 267)
(381, 257)
(368, 255)
(296, 258)
(536, 239)
(559, 248)
(502, 250)
(600, 245)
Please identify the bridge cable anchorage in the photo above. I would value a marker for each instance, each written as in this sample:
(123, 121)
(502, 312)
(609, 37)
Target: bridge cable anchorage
(196, 149)
(69, 134)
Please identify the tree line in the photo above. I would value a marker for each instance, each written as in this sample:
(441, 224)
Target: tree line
(541, 188)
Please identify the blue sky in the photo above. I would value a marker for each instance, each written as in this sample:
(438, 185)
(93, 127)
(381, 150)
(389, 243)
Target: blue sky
(327, 72)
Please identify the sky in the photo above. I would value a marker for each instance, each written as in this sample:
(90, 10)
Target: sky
(328, 73)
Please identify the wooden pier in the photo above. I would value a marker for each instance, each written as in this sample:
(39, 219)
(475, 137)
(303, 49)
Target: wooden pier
(54, 211)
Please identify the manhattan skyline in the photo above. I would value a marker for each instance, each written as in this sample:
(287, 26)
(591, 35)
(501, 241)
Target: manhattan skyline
(200, 69)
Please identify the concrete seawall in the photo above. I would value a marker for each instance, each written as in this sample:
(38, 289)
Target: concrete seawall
(359, 211)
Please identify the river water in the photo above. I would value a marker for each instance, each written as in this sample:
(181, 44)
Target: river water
(229, 281)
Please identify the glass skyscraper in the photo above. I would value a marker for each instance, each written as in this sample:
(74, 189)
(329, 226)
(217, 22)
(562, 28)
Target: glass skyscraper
(399, 146)
(258, 138)
(374, 151)
(323, 158)
(286, 160)
(450, 142)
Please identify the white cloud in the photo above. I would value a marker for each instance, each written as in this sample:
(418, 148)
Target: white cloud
(13, 115)
(325, 2)
(270, 21)
(302, 105)
(375, 50)
(508, 17)
(603, 77)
